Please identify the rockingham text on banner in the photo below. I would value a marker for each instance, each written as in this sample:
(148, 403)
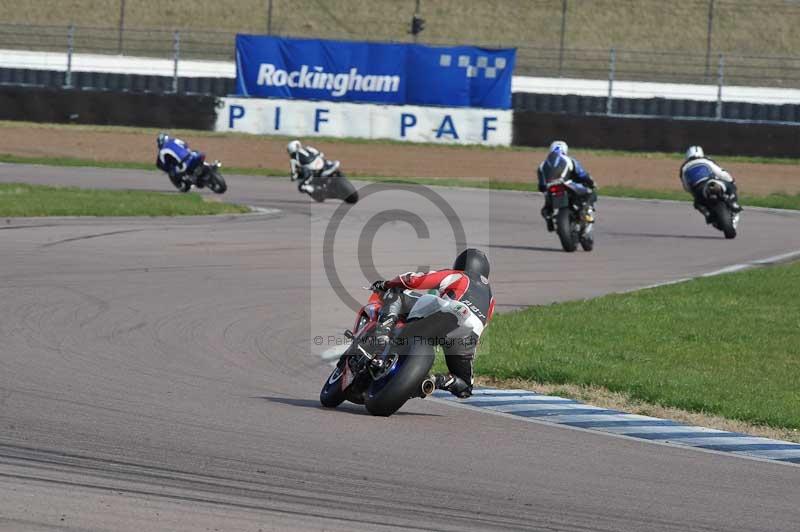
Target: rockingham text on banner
(314, 69)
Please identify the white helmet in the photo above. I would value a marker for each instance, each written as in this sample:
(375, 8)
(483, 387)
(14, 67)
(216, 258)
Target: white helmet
(559, 145)
(293, 147)
(694, 152)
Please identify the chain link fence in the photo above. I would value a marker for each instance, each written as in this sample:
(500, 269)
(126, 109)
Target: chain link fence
(580, 63)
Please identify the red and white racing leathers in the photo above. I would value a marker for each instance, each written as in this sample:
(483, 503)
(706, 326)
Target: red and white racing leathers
(472, 290)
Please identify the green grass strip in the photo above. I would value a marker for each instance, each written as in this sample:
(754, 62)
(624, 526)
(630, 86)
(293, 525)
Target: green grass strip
(22, 200)
(125, 165)
(727, 345)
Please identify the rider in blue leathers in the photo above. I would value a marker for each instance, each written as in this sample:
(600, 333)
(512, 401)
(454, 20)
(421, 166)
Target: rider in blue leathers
(178, 161)
(558, 162)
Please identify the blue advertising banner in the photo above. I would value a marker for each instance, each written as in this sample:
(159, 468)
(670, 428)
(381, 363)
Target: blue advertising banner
(312, 69)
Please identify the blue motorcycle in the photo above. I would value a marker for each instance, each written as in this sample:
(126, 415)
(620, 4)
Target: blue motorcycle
(201, 174)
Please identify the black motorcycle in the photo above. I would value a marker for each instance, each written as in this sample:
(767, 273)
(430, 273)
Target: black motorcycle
(205, 175)
(574, 215)
(722, 207)
(384, 377)
(330, 183)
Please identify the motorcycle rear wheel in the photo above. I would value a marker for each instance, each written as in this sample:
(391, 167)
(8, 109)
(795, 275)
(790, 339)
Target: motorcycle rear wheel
(565, 229)
(181, 184)
(345, 189)
(724, 219)
(403, 384)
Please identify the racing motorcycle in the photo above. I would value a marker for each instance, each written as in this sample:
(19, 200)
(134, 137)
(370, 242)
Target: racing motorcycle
(720, 205)
(384, 377)
(204, 175)
(330, 183)
(574, 219)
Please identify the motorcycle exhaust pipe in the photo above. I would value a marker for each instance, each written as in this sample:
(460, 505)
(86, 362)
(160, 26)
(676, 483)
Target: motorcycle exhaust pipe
(428, 386)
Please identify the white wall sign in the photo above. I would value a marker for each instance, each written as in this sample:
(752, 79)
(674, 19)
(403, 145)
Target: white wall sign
(398, 122)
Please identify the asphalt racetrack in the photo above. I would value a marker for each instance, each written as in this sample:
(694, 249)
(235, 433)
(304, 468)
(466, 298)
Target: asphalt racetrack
(163, 374)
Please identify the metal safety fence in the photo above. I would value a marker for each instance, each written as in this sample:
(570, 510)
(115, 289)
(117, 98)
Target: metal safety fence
(582, 63)
(705, 78)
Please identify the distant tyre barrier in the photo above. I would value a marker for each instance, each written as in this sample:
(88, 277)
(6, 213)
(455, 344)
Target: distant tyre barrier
(34, 104)
(722, 137)
(530, 128)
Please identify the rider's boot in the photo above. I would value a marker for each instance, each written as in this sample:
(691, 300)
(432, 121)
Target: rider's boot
(383, 331)
(704, 211)
(547, 214)
(453, 384)
(305, 186)
(589, 214)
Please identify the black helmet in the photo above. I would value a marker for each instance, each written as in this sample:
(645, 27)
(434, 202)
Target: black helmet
(472, 261)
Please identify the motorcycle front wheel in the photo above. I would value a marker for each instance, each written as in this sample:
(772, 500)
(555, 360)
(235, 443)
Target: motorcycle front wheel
(216, 182)
(332, 394)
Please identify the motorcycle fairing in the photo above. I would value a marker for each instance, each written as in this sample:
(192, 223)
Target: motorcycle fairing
(467, 322)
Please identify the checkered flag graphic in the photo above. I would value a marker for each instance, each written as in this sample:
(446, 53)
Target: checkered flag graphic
(481, 64)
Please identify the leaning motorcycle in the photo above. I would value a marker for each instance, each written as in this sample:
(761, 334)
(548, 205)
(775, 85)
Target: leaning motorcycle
(204, 175)
(720, 205)
(331, 183)
(574, 218)
(384, 377)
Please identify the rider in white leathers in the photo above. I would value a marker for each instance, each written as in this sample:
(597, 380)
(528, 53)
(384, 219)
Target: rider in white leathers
(696, 170)
(306, 164)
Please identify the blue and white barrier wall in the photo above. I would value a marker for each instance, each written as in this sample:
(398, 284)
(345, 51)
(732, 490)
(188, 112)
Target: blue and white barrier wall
(411, 123)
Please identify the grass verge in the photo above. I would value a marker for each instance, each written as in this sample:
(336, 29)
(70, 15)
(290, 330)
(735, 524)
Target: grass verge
(726, 345)
(776, 201)
(22, 200)
(91, 163)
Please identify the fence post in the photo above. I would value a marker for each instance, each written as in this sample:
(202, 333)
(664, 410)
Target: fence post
(612, 67)
(720, 80)
(708, 37)
(563, 33)
(414, 35)
(269, 17)
(70, 48)
(176, 45)
(121, 25)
